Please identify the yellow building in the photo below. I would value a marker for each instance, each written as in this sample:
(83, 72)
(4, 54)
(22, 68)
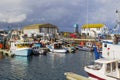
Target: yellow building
(40, 29)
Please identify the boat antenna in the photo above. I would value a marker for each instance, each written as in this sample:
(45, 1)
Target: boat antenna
(87, 16)
(87, 12)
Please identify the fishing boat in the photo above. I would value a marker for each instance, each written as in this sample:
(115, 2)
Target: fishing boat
(69, 48)
(88, 46)
(18, 44)
(84, 48)
(56, 47)
(38, 49)
(104, 69)
(21, 48)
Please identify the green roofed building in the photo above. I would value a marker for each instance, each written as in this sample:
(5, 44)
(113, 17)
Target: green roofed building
(94, 30)
(40, 29)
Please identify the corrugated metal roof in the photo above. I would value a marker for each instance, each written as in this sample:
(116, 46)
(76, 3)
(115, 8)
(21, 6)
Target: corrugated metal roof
(37, 26)
(93, 26)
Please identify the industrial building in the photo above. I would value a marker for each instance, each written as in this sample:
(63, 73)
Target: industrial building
(40, 29)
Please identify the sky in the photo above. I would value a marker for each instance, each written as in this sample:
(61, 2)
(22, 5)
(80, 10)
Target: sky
(62, 13)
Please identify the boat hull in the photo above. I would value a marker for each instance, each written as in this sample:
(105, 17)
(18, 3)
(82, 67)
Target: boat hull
(94, 76)
(84, 48)
(62, 50)
(22, 52)
(58, 50)
(39, 51)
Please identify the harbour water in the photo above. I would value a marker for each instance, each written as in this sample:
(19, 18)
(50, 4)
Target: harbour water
(50, 67)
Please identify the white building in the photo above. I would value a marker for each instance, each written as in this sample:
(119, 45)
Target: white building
(94, 30)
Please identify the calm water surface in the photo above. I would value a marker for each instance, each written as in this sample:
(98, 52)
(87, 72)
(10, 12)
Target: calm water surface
(50, 67)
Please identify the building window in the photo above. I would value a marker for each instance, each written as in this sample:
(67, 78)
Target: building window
(83, 29)
(52, 30)
(98, 29)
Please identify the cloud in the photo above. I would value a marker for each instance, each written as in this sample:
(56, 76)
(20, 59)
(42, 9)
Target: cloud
(12, 18)
(102, 1)
(63, 13)
(103, 11)
(56, 11)
(11, 4)
(18, 18)
(12, 11)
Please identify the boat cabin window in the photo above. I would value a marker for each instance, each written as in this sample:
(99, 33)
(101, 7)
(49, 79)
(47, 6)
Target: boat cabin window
(97, 66)
(108, 68)
(22, 45)
(119, 65)
(105, 45)
(113, 66)
(57, 46)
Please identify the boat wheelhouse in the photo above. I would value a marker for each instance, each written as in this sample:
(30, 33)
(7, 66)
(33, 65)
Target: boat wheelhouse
(104, 69)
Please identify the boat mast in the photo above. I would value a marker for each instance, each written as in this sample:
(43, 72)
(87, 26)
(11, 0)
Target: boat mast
(87, 17)
(87, 12)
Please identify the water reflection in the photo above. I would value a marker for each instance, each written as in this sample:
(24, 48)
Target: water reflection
(50, 67)
(1, 56)
(86, 59)
(19, 66)
(56, 58)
